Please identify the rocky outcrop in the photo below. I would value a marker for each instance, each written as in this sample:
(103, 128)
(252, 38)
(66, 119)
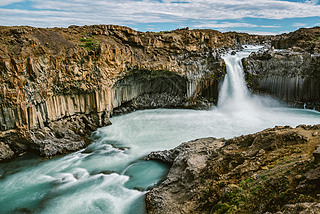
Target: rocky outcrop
(302, 40)
(5, 152)
(188, 160)
(272, 171)
(301, 208)
(67, 74)
(59, 137)
(291, 74)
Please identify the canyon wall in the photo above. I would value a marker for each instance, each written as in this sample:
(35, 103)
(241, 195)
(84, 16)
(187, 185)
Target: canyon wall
(290, 73)
(272, 171)
(59, 84)
(291, 77)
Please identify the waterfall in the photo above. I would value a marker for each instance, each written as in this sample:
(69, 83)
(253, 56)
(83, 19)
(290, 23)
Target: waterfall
(234, 94)
(234, 90)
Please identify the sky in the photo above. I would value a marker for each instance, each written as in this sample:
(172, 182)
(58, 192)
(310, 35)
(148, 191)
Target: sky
(250, 16)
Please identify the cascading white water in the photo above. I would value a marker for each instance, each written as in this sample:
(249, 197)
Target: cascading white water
(234, 94)
(110, 176)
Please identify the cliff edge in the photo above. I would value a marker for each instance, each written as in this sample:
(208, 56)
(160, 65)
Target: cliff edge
(59, 84)
(289, 69)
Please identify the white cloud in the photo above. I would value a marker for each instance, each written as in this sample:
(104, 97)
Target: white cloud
(125, 12)
(7, 2)
(259, 32)
(298, 24)
(225, 25)
(311, 1)
(270, 26)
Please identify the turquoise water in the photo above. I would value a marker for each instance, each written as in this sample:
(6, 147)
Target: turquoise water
(111, 175)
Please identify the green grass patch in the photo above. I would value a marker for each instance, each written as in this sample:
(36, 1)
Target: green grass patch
(316, 39)
(88, 43)
(85, 40)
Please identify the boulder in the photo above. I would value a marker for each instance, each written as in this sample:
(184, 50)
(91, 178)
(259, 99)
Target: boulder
(5, 152)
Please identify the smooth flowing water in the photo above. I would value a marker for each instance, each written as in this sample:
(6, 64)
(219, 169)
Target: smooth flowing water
(110, 176)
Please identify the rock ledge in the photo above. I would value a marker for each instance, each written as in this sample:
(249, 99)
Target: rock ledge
(272, 171)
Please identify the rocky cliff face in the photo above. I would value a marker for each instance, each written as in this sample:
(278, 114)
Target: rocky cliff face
(273, 171)
(59, 84)
(291, 74)
(302, 40)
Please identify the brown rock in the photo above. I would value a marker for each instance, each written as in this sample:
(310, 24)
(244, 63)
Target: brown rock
(316, 154)
(47, 75)
(302, 208)
(5, 152)
(263, 172)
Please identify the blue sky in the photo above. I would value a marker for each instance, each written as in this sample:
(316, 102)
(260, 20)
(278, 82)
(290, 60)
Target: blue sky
(251, 16)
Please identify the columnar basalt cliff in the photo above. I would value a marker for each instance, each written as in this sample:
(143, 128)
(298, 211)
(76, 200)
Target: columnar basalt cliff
(291, 73)
(59, 84)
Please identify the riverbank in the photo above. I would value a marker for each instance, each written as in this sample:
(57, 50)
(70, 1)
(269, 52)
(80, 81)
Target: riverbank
(275, 171)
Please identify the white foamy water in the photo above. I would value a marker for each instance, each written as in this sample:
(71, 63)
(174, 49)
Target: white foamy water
(234, 94)
(110, 175)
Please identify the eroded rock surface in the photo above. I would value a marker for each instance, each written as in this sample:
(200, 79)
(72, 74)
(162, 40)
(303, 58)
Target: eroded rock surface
(5, 151)
(60, 137)
(301, 208)
(49, 75)
(302, 40)
(291, 74)
(292, 77)
(272, 171)
(187, 161)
